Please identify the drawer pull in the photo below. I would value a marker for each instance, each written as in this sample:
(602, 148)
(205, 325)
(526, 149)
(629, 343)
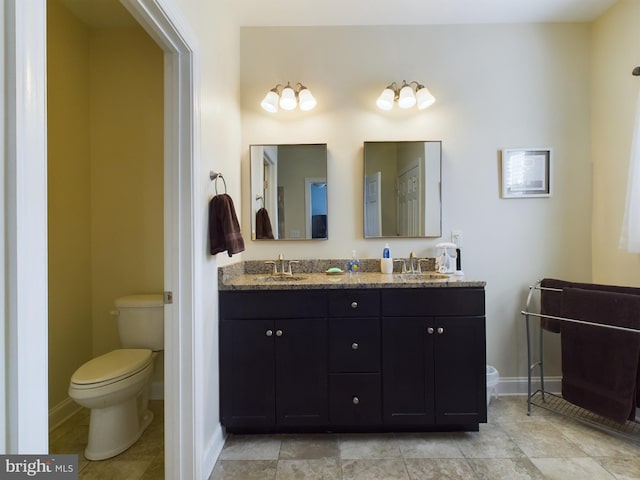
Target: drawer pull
(355, 400)
(440, 330)
(430, 330)
(279, 333)
(354, 346)
(269, 333)
(354, 304)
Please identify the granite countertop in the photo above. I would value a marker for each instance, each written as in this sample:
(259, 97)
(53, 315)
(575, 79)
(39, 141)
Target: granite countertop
(310, 274)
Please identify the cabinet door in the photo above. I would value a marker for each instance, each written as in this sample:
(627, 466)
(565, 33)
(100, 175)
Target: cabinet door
(247, 373)
(407, 371)
(460, 373)
(301, 372)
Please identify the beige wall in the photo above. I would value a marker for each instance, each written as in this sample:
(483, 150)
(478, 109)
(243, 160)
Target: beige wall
(105, 185)
(613, 94)
(69, 199)
(127, 167)
(497, 86)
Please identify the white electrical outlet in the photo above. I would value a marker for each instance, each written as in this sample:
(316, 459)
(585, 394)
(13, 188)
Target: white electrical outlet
(456, 237)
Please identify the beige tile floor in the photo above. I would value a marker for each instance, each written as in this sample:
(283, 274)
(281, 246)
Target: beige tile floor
(143, 461)
(510, 446)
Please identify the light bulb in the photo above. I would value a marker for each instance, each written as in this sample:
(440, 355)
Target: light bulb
(424, 98)
(270, 102)
(385, 100)
(307, 102)
(407, 97)
(288, 98)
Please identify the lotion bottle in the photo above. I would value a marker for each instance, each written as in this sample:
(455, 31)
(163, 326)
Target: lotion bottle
(386, 262)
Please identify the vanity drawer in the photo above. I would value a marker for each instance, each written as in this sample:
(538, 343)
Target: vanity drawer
(354, 303)
(273, 304)
(354, 344)
(412, 302)
(355, 399)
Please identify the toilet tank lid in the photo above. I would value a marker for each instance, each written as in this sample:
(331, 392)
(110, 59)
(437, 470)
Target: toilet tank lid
(112, 365)
(140, 301)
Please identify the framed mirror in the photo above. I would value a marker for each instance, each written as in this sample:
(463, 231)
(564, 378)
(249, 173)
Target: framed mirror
(402, 196)
(289, 192)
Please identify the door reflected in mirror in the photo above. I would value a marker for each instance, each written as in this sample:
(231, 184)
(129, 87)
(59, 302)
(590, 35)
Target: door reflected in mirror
(402, 195)
(289, 192)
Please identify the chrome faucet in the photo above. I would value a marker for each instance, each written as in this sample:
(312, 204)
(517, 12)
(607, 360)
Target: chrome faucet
(412, 261)
(279, 266)
(414, 264)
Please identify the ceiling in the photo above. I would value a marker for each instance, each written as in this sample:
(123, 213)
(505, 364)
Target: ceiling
(110, 13)
(413, 12)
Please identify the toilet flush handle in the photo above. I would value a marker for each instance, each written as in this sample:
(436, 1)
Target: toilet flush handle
(115, 313)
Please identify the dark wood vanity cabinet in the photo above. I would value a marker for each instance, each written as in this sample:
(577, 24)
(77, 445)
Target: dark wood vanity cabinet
(273, 359)
(352, 359)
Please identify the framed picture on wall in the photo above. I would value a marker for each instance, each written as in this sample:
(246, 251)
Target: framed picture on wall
(526, 172)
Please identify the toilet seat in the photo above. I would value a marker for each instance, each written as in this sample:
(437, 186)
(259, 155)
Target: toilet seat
(111, 367)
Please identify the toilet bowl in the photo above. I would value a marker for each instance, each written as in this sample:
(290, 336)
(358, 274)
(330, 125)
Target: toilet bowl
(115, 386)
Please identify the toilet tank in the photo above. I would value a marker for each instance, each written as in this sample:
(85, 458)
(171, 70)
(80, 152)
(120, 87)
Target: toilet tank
(141, 321)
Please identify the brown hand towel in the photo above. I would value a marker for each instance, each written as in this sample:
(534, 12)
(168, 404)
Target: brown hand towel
(263, 224)
(224, 229)
(599, 365)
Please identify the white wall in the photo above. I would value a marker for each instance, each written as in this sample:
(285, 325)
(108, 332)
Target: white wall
(217, 148)
(614, 91)
(497, 86)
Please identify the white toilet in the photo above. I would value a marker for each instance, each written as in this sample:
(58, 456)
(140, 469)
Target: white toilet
(116, 385)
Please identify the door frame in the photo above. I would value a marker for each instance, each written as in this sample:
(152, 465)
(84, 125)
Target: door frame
(26, 381)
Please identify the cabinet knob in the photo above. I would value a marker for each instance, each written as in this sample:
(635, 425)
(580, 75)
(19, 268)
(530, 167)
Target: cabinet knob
(354, 304)
(279, 333)
(355, 400)
(430, 330)
(354, 346)
(440, 330)
(268, 333)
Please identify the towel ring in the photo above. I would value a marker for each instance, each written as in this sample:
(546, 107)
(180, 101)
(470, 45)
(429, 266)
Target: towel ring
(260, 198)
(214, 176)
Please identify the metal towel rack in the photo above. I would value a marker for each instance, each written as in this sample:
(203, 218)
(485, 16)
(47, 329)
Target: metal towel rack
(553, 402)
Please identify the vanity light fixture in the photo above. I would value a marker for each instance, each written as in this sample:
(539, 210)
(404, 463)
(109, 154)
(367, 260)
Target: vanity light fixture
(405, 95)
(288, 98)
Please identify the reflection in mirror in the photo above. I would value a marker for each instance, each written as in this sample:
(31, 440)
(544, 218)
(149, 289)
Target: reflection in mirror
(402, 189)
(289, 192)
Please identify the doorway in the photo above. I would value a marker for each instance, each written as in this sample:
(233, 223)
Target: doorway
(105, 120)
(26, 242)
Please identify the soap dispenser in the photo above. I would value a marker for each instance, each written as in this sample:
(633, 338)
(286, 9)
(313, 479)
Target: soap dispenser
(354, 263)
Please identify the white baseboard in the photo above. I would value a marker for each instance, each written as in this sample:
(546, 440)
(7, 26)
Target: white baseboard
(212, 452)
(61, 412)
(518, 385)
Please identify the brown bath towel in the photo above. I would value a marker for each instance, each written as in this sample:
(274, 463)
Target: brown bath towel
(600, 365)
(551, 301)
(263, 224)
(224, 229)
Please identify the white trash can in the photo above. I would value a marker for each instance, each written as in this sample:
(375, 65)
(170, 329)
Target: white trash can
(493, 377)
